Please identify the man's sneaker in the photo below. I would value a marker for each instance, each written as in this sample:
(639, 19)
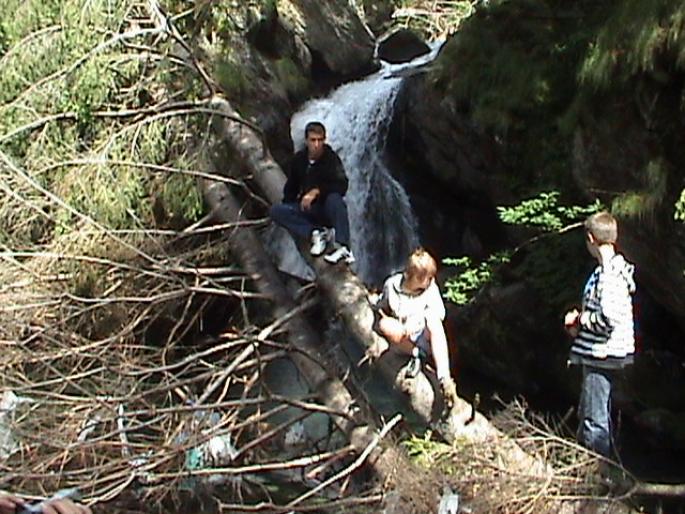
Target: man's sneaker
(342, 253)
(449, 391)
(320, 240)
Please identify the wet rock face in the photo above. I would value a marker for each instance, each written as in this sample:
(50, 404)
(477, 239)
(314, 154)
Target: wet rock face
(649, 237)
(294, 52)
(509, 339)
(338, 40)
(450, 170)
(401, 46)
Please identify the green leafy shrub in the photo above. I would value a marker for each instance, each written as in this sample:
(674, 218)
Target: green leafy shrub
(471, 277)
(428, 453)
(545, 213)
(545, 264)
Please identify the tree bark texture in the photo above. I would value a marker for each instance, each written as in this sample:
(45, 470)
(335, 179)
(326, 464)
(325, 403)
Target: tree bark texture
(387, 459)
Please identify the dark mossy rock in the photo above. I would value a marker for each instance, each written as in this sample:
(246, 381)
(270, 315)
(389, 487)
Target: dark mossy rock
(401, 46)
(451, 169)
(508, 339)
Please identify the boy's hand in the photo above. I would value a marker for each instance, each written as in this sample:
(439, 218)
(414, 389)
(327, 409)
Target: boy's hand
(571, 320)
(9, 504)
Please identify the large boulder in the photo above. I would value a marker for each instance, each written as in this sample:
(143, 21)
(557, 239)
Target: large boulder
(338, 39)
(649, 234)
(501, 336)
(291, 50)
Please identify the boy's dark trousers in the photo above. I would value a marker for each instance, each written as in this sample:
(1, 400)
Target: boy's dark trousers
(594, 409)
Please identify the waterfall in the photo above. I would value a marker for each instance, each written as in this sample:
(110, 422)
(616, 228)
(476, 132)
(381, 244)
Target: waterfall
(357, 116)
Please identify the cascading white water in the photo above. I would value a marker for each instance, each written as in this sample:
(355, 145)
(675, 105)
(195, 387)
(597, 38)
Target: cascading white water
(357, 116)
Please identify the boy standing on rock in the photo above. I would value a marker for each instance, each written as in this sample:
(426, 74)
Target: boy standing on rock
(603, 331)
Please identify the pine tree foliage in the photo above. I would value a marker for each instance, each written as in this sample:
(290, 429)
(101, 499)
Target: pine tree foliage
(511, 60)
(637, 37)
(105, 265)
(535, 72)
(73, 93)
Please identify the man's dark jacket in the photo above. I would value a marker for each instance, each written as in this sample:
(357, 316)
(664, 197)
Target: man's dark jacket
(326, 173)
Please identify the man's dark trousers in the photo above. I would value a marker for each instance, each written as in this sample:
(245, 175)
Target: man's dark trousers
(332, 212)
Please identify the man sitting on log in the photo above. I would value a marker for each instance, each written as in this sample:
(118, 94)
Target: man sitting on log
(411, 314)
(313, 205)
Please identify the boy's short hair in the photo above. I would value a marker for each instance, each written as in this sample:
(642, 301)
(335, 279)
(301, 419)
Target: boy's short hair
(314, 126)
(420, 265)
(603, 227)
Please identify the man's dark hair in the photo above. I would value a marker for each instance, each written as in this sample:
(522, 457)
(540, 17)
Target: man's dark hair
(316, 127)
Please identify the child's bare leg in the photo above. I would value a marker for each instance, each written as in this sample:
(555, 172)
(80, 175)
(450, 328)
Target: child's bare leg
(393, 331)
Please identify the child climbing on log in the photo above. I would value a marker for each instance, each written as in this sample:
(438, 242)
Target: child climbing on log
(411, 314)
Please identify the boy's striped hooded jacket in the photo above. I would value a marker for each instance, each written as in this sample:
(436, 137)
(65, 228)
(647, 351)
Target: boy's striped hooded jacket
(606, 333)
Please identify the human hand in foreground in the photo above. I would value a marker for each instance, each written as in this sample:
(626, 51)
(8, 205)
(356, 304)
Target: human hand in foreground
(64, 506)
(11, 504)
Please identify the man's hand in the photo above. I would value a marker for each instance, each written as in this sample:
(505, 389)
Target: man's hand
(571, 320)
(9, 504)
(308, 199)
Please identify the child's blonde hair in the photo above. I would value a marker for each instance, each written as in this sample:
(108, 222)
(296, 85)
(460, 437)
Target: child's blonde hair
(603, 227)
(420, 265)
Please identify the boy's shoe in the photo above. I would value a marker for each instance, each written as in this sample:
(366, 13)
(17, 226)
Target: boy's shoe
(342, 253)
(320, 240)
(449, 392)
(413, 366)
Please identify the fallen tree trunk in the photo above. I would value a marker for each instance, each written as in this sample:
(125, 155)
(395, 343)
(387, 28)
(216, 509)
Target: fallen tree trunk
(350, 299)
(344, 289)
(247, 248)
(387, 459)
